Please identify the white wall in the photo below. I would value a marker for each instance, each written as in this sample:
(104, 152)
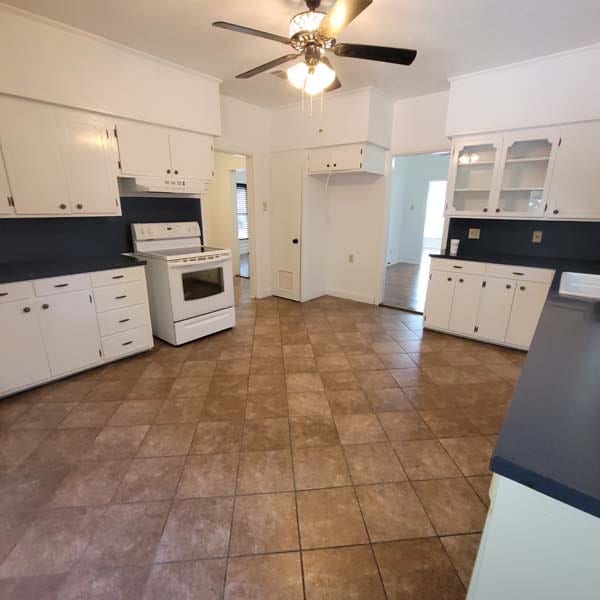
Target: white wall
(409, 185)
(561, 88)
(247, 130)
(419, 124)
(357, 206)
(218, 208)
(47, 61)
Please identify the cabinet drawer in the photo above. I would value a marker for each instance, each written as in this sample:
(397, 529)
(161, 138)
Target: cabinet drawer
(102, 278)
(124, 319)
(59, 285)
(457, 266)
(524, 273)
(119, 296)
(127, 342)
(20, 290)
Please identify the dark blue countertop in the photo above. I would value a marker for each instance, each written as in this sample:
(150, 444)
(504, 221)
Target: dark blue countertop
(23, 271)
(550, 439)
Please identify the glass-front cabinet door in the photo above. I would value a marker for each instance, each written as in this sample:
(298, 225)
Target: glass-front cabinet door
(472, 176)
(527, 161)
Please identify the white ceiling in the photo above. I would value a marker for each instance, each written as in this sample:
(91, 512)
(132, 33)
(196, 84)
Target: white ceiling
(452, 37)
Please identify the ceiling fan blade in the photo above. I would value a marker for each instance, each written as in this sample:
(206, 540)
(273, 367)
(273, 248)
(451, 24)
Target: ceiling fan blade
(398, 56)
(336, 84)
(249, 31)
(267, 66)
(341, 15)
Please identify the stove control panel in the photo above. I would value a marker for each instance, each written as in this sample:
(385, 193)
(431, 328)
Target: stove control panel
(164, 231)
(201, 258)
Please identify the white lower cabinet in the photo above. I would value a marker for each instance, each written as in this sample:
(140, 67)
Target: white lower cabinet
(53, 327)
(23, 360)
(476, 300)
(70, 332)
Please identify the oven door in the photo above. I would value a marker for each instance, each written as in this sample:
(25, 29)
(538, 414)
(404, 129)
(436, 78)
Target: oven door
(200, 288)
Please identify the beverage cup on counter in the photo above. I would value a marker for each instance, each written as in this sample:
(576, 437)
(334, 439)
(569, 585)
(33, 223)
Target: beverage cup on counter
(454, 247)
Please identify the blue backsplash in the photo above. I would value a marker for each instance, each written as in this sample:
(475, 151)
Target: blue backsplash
(63, 238)
(560, 239)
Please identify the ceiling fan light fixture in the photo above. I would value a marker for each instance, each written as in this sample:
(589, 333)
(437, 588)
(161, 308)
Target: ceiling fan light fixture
(297, 75)
(318, 79)
(307, 21)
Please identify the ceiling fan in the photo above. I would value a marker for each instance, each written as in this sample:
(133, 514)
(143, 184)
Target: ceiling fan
(311, 33)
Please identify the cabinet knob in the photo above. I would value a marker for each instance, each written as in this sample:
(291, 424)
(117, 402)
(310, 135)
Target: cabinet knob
(555, 211)
(328, 165)
(485, 210)
(461, 281)
(80, 206)
(497, 210)
(63, 206)
(335, 164)
(168, 171)
(176, 172)
(508, 286)
(522, 288)
(449, 278)
(27, 309)
(295, 241)
(45, 306)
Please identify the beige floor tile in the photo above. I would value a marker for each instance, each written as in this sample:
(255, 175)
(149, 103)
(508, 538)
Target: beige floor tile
(308, 404)
(217, 436)
(425, 459)
(462, 550)
(348, 401)
(359, 429)
(265, 471)
(313, 431)
(206, 475)
(266, 434)
(265, 406)
(471, 454)
(320, 468)
(373, 463)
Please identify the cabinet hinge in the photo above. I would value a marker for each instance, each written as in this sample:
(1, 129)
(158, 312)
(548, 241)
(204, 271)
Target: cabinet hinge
(429, 276)
(545, 208)
(11, 201)
(484, 284)
(361, 151)
(99, 353)
(560, 141)
(115, 132)
(424, 318)
(90, 297)
(119, 164)
(117, 202)
(476, 329)
(107, 134)
(360, 166)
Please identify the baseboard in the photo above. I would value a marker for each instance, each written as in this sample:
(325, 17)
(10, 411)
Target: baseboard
(347, 295)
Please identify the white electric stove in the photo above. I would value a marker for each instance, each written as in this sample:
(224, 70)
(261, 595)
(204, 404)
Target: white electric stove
(190, 285)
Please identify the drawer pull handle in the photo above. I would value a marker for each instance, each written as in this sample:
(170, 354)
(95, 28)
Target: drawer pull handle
(124, 320)
(517, 273)
(127, 343)
(118, 276)
(2, 294)
(456, 267)
(60, 285)
(121, 297)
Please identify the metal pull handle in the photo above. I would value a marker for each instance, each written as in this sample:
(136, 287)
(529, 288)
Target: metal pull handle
(118, 276)
(456, 267)
(61, 285)
(517, 273)
(27, 309)
(124, 320)
(127, 343)
(121, 297)
(45, 306)
(2, 294)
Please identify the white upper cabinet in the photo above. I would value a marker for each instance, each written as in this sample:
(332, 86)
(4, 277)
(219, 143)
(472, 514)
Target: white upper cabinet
(319, 160)
(526, 165)
(147, 150)
(143, 150)
(574, 193)
(90, 164)
(473, 175)
(349, 158)
(5, 195)
(29, 136)
(192, 155)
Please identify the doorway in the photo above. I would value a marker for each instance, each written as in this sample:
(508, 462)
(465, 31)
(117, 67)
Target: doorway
(415, 226)
(225, 211)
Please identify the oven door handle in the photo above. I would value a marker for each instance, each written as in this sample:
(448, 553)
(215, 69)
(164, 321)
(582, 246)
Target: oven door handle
(199, 265)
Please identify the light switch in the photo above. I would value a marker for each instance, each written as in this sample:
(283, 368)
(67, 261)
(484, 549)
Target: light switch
(474, 233)
(536, 238)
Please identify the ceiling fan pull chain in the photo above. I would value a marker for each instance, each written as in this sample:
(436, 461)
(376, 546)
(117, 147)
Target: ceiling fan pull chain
(321, 101)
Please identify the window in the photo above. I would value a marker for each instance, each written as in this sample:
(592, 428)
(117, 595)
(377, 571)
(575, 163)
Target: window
(241, 200)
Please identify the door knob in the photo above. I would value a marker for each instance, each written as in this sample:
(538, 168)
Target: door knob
(295, 241)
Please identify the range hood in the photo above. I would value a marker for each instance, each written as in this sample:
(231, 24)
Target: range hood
(161, 186)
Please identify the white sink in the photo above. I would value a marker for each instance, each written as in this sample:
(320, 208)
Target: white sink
(580, 284)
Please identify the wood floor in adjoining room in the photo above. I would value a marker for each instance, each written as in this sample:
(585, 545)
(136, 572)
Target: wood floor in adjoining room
(321, 450)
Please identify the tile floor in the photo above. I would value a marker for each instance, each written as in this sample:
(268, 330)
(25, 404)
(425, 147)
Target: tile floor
(325, 450)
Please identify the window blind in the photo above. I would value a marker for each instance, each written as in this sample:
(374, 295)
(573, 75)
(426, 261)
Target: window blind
(241, 197)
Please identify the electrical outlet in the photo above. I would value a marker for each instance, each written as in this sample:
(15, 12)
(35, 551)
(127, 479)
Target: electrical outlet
(350, 258)
(474, 233)
(536, 238)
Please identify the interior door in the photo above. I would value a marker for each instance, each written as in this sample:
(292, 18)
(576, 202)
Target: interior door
(22, 353)
(576, 178)
(70, 331)
(494, 308)
(319, 160)
(5, 206)
(90, 165)
(440, 295)
(286, 222)
(30, 141)
(467, 293)
(192, 155)
(143, 150)
(347, 158)
(526, 310)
